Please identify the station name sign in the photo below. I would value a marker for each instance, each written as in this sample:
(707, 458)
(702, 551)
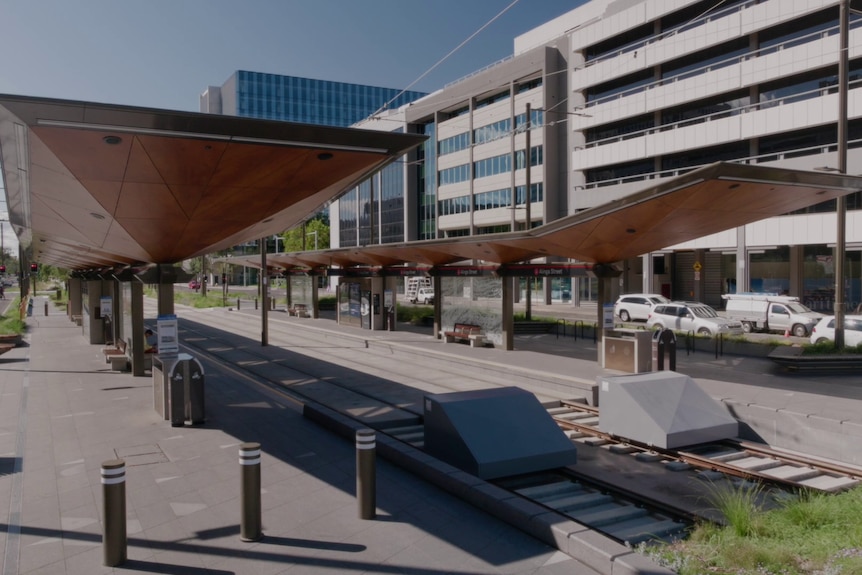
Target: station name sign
(544, 270)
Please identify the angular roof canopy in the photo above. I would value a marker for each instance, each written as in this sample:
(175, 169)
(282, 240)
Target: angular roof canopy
(98, 185)
(674, 210)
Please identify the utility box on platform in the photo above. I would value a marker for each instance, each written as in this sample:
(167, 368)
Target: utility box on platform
(493, 433)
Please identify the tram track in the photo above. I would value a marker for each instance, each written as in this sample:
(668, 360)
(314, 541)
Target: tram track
(734, 458)
(627, 516)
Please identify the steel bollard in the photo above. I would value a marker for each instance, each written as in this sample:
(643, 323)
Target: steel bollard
(366, 473)
(255, 303)
(237, 304)
(114, 512)
(249, 461)
(46, 307)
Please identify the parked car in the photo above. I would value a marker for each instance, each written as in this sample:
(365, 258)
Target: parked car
(692, 316)
(195, 285)
(637, 306)
(825, 330)
(770, 312)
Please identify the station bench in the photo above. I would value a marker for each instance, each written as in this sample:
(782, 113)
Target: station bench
(465, 332)
(116, 356)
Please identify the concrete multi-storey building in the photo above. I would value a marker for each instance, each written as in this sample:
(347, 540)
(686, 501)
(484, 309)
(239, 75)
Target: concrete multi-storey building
(622, 93)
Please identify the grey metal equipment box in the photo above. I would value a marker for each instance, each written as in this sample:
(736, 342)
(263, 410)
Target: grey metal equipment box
(493, 433)
(664, 409)
(627, 350)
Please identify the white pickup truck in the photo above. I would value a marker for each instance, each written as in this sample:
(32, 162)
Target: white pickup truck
(770, 312)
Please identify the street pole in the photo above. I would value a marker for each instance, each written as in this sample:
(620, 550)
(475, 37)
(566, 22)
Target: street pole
(527, 226)
(841, 205)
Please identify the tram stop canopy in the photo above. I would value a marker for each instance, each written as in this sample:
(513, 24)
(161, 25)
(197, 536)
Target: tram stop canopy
(675, 210)
(95, 186)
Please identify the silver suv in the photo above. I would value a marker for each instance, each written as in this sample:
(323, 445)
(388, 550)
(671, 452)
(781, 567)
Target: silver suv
(692, 316)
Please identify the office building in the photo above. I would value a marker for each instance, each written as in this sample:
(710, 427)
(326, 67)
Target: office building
(303, 100)
(622, 94)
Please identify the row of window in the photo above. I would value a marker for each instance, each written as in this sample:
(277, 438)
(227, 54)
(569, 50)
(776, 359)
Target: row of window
(489, 133)
(490, 200)
(490, 166)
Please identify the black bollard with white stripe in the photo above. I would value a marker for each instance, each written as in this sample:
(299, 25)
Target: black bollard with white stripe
(249, 461)
(114, 512)
(366, 473)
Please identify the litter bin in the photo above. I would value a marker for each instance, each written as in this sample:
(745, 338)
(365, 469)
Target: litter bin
(663, 342)
(627, 350)
(178, 388)
(194, 391)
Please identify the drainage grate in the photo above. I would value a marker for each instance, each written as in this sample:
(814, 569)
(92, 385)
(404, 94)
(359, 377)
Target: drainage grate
(141, 455)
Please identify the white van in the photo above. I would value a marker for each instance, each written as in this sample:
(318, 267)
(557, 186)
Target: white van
(771, 312)
(424, 295)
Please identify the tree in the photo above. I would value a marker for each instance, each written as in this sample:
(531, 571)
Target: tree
(316, 236)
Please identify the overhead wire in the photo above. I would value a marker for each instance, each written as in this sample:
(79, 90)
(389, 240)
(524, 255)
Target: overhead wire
(446, 57)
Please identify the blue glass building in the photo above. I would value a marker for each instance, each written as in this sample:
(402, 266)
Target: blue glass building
(304, 100)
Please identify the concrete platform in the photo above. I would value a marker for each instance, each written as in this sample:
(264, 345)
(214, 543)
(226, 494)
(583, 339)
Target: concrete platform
(63, 413)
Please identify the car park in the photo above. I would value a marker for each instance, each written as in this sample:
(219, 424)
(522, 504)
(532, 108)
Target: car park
(692, 316)
(637, 306)
(825, 330)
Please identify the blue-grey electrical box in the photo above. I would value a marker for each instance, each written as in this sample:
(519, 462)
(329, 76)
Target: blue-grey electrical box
(494, 433)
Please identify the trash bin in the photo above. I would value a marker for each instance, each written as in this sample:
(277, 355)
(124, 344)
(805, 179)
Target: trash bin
(663, 342)
(194, 391)
(627, 350)
(178, 388)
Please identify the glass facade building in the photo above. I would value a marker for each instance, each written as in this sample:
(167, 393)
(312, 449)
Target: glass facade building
(373, 212)
(303, 100)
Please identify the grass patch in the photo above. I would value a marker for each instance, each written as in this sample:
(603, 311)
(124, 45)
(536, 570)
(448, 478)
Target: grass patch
(522, 316)
(414, 314)
(805, 534)
(828, 348)
(10, 323)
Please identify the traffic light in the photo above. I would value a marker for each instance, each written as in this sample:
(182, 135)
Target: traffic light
(34, 267)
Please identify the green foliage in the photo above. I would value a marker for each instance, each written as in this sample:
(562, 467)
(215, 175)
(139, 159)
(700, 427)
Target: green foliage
(738, 504)
(828, 348)
(327, 302)
(316, 234)
(522, 316)
(414, 314)
(805, 534)
(10, 322)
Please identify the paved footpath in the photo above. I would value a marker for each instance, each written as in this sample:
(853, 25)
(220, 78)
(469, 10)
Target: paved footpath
(62, 414)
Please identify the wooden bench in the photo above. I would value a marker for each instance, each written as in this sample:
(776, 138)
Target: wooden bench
(299, 310)
(116, 356)
(465, 332)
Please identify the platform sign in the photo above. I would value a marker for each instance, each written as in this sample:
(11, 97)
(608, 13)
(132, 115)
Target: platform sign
(106, 306)
(608, 316)
(168, 336)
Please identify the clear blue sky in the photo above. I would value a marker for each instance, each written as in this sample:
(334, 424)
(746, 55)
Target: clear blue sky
(164, 53)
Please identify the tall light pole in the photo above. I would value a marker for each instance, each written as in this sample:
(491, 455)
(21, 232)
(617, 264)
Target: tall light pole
(841, 202)
(313, 233)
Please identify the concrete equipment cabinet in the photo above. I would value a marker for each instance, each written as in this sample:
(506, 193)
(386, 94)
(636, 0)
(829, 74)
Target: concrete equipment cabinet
(178, 389)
